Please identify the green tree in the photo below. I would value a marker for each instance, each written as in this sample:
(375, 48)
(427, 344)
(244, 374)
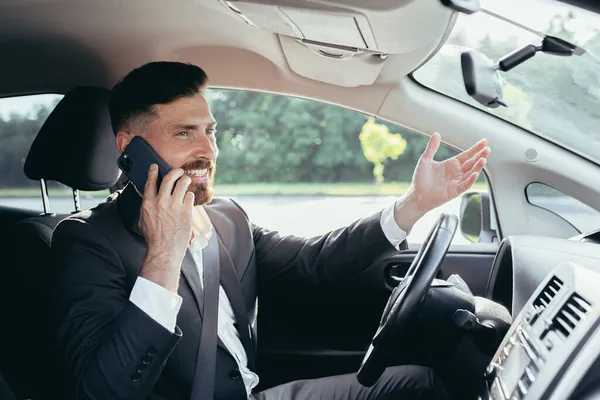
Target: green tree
(271, 138)
(378, 144)
(265, 137)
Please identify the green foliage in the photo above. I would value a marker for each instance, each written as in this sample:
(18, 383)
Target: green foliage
(378, 144)
(271, 138)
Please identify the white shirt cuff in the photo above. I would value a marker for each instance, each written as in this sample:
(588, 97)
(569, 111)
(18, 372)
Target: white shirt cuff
(390, 228)
(159, 303)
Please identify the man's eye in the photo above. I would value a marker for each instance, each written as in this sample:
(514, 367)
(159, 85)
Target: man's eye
(211, 131)
(182, 133)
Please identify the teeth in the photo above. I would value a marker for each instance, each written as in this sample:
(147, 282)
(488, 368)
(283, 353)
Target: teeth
(196, 172)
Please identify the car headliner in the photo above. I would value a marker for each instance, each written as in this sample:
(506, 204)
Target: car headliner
(54, 45)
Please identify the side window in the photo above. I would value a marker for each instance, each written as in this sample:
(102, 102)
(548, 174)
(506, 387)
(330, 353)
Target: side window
(303, 167)
(578, 214)
(20, 120)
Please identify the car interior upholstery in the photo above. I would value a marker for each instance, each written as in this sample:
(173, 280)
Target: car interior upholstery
(79, 134)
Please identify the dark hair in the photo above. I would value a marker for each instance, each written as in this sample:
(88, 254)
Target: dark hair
(154, 83)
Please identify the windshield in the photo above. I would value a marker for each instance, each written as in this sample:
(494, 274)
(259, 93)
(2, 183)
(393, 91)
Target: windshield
(555, 97)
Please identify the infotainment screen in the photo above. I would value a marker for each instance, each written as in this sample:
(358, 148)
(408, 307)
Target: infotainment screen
(513, 367)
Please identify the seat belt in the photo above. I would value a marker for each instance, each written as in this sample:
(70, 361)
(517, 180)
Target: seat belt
(203, 388)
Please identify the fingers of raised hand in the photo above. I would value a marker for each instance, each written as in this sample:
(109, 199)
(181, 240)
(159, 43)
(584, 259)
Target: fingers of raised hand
(467, 182)
(479, 159)
(432, 146)
(473, 151)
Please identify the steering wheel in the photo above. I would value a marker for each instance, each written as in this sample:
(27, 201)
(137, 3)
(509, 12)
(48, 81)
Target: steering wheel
(403, 306)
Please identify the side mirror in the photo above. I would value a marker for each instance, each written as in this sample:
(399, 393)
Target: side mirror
(476, 222)
(482, 79)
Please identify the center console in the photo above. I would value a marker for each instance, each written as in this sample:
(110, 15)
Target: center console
(552, 342)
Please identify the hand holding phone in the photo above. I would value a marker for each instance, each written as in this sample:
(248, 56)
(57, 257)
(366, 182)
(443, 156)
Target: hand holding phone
(166, 220)
(166, 214)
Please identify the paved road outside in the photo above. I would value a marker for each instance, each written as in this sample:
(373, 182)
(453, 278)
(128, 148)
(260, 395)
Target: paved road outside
(313, 215)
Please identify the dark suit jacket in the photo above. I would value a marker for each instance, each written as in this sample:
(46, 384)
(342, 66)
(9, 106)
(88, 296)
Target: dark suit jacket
(113, 350)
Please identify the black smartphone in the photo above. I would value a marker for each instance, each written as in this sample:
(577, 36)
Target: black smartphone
(136, 159)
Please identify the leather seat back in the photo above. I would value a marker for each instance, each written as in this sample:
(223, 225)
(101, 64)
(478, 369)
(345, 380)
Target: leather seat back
(75, 147)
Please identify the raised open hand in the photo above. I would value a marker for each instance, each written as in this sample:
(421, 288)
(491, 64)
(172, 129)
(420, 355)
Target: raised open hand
(436, 182)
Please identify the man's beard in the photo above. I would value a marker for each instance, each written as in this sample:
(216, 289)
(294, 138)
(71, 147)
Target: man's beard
(203, 192)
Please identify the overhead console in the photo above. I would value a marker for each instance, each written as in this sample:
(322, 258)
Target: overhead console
(553, 342)
(314, 34)
(337, 31)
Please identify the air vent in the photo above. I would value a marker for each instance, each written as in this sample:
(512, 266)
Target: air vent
(566, 320)
(545, 297)
(548, 293)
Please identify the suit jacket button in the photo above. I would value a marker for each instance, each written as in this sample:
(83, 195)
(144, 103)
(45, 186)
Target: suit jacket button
(151, 352)
(136, 377)
(146, 360)
(235, 374)
(141, 369)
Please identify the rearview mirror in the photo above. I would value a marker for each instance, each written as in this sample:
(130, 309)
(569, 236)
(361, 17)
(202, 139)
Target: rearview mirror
(482, 79)
(476, 221)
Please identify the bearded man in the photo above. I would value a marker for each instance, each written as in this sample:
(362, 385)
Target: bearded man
(157, 292)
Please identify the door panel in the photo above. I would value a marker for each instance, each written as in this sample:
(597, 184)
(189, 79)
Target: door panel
(308, 332)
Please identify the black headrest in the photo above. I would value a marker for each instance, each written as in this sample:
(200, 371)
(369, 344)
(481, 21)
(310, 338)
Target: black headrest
(76, 145)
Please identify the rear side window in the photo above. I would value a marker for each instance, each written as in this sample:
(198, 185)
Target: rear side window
(20, 120)
(581, 216)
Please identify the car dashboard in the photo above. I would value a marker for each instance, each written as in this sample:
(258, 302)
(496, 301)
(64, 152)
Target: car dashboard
(522, 262)
(551, 350)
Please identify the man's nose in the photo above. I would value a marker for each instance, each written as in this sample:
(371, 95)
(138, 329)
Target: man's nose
(205, 147)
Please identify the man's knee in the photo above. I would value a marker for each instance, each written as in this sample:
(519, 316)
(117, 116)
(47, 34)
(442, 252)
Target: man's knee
(414, 381)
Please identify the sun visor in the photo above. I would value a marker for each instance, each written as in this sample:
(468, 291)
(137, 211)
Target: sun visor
(361, 34)
(336, 28)
(384, 26)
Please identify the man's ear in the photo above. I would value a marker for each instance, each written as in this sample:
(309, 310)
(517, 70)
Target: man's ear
(123, 139)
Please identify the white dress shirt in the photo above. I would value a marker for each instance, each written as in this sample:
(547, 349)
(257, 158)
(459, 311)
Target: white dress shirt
(163, 306)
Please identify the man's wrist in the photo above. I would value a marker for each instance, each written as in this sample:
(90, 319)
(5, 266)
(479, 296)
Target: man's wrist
(407, 211)
(162, 269)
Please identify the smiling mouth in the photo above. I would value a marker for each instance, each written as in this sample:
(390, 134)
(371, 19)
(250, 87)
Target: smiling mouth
(197, 172)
